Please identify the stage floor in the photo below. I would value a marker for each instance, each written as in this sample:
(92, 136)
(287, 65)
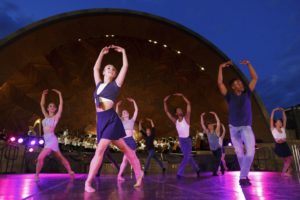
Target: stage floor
(265, 185)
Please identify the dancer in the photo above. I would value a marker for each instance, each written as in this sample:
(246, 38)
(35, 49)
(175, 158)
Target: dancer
(182, 123)
(51, 142)
(240, 118)
(221, 138)
(213, 135)
(128, 126)
(149, 135)
(109, 126)
(281, 147)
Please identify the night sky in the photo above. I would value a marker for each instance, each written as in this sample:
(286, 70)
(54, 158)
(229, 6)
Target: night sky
(267, 32)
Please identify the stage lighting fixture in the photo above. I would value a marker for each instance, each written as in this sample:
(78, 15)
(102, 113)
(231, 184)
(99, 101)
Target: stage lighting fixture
(30, 149)
(32, 143)
(20, 140)
(41, 141)
(12, 139)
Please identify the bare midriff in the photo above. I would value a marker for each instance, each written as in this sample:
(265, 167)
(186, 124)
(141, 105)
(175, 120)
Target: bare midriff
(105, 105)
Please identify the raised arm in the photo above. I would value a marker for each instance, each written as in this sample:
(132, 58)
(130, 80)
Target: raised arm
(223, 131)
(188, 107)
(42, 103)
(221, 84)
(97, 65)
(60, 106)
(218, 123)
(205, 130)
(136, 110)
(122, 74)
(253, 74)
(272, 118)
(284, 119)
(151, 122)
(117, 107)
(167, 110)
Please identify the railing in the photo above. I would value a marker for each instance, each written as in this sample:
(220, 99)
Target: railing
(296, 155)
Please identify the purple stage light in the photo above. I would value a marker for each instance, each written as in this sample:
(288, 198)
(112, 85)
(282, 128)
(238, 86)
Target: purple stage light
(30, 149)
(41, 141)
(20, 140)
(229, 144)
(32, 142)
(12, 139)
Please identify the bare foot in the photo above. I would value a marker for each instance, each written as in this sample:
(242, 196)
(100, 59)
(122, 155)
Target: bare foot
(120, 178)
(36, 178)
(88, 187)
(72, 174)
(139, 180)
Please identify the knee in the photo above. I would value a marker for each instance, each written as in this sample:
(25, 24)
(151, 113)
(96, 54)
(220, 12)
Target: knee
(40, 159)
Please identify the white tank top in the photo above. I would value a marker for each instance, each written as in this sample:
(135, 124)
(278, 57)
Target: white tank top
(49, 124)
(183, 128)
(277, 135)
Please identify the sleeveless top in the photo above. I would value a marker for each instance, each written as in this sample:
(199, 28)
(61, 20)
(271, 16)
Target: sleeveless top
(277, 135)
(183, 128)
(50, 123)
(128, 124)
(108, 91)
(213, 141)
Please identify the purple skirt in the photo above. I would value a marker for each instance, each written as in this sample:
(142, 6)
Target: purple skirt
(130, 142)
(109, 125)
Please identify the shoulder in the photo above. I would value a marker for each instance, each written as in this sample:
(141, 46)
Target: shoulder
(114, 83)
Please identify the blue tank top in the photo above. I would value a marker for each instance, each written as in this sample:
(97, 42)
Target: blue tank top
(111, 92)
(213, 141)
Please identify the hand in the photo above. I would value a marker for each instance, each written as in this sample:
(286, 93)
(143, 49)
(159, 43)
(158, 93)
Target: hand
(281, 109)
(178, 94)
(45, 92)
(245, 62)
(130, 99)
(149, 119)
(213, 113)
(202, 114)
(117, 48)
(166, 98)
(119, 103)
(57, 91)
(226, 64)
(104, 51)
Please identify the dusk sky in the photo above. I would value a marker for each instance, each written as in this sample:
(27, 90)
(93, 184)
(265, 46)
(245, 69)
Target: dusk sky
(267, 32)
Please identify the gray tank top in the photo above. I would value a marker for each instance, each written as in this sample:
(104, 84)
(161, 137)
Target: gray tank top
(128, 124)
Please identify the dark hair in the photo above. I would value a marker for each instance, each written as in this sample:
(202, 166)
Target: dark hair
(232, 81)
(175, 109)
(275, 120)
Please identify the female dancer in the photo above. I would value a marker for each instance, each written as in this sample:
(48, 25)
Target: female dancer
(221, 138)
(109, 126)
(213, 140)
(51, 141)
(128, 126)
(281, 147)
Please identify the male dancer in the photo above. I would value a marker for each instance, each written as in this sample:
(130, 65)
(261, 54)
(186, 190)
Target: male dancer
(240, 117)
(182, 123)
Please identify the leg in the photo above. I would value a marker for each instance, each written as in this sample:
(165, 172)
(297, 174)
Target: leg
(95, 163)
(64, 161)
(158, 161)
(216, 162)
(151, 152)
(224, 162)
(40, 161)
(111, 159)
(249, 141)
(134, 161)
(237, 142)
(122, 168)
(287, 165)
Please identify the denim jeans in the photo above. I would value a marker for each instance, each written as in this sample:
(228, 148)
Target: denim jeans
(151, 154)
(241, 137)
(186, 149)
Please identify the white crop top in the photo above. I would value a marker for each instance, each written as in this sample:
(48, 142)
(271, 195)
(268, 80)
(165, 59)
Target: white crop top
(183, 128)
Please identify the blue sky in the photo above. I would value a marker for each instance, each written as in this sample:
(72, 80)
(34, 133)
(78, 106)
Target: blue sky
(267, 32)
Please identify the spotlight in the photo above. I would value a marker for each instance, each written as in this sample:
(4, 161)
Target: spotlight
(32, 143)
(178, 52)
(150, 41)
(79, 39)
(20, 140)
(202, 68)
(229, 144)
(12, 139)
(112, 35)
(165, 45)
(30, 149)
(155, 42)
(106, 35)
(41, 141)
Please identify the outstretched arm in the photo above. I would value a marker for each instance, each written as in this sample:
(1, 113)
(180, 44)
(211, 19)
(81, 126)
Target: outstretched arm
(284, 119)
(167, 110)
(218, 123)
(253, 74)
(205, 130)
(97, 65)
(188, 107)
(221, 84)
(42, 103)
(122, 74)
(136, 110)
(60, 106)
